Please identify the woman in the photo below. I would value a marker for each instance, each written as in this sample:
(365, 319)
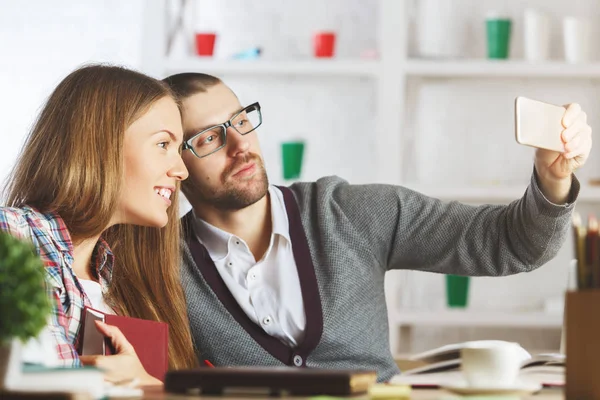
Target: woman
(95, 190)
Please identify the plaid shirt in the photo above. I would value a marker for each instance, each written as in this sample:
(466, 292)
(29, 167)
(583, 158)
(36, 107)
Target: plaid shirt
(50, 236)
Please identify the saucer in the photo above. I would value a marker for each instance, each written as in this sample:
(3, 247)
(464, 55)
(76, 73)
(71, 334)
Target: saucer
(519, 388)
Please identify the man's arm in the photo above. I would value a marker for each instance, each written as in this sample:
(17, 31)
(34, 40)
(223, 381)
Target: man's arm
(408, 230)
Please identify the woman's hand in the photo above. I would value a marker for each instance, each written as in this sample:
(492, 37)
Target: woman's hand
(122, 366)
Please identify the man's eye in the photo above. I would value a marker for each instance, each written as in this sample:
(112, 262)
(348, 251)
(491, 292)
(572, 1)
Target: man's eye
(242, 122)
(209, 139)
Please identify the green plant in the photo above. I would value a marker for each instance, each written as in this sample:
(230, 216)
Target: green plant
(24, 302)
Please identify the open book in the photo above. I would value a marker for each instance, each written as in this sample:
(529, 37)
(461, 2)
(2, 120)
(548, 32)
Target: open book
(441, 366)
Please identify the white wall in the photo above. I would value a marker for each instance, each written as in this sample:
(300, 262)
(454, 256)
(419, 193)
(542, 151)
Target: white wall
(42, 41)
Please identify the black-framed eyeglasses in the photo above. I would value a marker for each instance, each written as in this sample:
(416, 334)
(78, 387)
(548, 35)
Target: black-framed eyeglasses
(213, 139)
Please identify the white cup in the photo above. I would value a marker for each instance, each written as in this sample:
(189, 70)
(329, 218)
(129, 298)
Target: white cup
(491, 365)
(577, 39)
(536, 35)
(440, 29)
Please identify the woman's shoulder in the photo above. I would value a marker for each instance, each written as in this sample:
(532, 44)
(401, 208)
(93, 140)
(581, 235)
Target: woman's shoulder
(20, 221)
(13, 220)
(44, 231)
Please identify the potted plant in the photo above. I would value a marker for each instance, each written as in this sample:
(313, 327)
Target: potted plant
(24, 303)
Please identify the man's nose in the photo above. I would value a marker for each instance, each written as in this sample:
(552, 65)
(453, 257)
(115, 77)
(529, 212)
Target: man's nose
(236, 142)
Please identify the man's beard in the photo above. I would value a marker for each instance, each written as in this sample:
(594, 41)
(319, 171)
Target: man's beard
(230, 195)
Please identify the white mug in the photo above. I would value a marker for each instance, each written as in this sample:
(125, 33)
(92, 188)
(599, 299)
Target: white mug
(537, 36)
(577, 39)
(491, 366)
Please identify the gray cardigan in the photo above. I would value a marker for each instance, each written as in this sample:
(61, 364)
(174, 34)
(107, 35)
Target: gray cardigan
(344, 238)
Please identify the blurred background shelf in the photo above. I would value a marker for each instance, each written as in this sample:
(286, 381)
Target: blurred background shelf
(472, 318)
(441, 126)
(331, 67)
(499, 69)
(372, 68)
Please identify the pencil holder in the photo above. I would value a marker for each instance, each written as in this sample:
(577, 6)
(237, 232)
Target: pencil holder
(583, 344)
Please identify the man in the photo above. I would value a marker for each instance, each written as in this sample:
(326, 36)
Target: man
(294, 276)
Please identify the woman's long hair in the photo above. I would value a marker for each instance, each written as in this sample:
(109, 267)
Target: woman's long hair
(72, 164)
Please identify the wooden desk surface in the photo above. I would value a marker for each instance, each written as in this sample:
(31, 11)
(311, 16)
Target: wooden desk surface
(158, 394)
(418, 394)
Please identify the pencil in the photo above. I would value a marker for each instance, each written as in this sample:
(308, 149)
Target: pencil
(593, 261)
(579, 238)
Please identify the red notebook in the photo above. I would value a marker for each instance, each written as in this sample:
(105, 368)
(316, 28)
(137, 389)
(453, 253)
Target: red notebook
(150, 339)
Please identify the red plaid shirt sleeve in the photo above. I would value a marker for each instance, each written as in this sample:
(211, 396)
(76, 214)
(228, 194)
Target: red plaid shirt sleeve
(14, 222)
(65, 349)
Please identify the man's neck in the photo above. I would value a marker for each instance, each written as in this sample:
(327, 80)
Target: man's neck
(252, 224)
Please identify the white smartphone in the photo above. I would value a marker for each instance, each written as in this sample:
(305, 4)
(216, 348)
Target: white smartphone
(539, 124)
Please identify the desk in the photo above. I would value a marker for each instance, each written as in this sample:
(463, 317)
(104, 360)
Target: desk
(417, 394)
(158, 394)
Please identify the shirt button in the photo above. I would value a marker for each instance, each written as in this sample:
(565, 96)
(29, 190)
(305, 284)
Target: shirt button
(237, 242)
(252, 276)
(267, 320)
(297, 361)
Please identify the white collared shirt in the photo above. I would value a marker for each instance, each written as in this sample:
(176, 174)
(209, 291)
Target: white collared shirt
(268, 290)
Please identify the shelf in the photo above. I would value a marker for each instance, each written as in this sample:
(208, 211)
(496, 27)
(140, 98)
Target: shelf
(332, 67)
(468, 318)
(372, 68)
(500, 68)
(588, 194)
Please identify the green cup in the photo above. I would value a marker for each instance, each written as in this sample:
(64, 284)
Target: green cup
(498, 37)
(292, 153)
(457, 291)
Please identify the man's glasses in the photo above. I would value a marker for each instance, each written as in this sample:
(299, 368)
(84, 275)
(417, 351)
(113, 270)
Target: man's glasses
(213, 139)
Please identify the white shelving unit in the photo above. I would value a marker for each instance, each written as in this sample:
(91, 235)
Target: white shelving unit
(478, 318)
(390, 75)
(406, 320)
(360, 68)
(386, 72)
(499, 69)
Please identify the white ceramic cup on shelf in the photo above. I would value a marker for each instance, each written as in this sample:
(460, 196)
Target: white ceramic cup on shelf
(440, 28)
(491, 365)
(536, 36)
(577, 39)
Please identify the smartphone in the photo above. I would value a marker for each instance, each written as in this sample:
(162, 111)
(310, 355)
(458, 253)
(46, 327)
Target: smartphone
(539, 124)
(93, 340)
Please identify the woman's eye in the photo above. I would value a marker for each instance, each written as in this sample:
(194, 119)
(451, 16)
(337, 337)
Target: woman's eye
(163, 145)
(209, 139)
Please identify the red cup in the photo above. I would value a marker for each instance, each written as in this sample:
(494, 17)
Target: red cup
(324, 44)
(205, 43)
